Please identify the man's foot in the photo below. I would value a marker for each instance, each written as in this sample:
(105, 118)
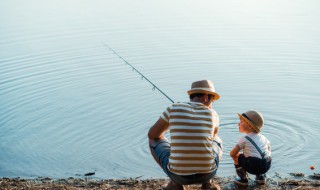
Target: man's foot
(241, 182)
(210, 186)
(173, 186)
(261, 179)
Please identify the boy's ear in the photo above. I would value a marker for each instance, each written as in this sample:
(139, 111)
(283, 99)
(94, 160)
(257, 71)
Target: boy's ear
(251, 127)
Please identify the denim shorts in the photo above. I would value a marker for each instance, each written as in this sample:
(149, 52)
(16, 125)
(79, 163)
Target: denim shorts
(254, 165)
(162, 152)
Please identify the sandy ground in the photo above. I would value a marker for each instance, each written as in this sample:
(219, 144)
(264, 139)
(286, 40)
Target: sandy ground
(296, 182)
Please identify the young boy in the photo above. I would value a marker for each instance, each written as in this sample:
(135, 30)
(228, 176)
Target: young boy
(256, 153)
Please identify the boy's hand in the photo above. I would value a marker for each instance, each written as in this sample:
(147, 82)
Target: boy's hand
(234, 153)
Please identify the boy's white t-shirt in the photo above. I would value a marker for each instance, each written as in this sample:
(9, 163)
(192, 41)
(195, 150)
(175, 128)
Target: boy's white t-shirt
(250, 150)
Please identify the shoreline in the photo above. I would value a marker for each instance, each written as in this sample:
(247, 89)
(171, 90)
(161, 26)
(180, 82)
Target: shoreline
(297, 181)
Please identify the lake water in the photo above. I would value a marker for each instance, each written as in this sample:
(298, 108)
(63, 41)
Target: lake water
(68, 105)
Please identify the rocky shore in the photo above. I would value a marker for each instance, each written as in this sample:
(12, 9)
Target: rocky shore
(298, 181)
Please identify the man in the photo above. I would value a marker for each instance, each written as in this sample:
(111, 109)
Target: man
(193, 155)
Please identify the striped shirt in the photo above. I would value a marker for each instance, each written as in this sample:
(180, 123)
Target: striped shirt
(191, 131)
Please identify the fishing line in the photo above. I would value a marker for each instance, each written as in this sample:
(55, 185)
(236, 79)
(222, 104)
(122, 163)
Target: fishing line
(134, 69)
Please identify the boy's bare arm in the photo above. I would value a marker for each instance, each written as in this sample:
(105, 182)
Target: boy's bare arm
(234, 153)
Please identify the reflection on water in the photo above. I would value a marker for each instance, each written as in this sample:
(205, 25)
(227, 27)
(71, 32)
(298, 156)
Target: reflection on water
(70, 106)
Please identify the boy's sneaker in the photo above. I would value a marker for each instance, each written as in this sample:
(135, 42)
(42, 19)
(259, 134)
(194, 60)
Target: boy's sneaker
(261, 179)
(241, 182)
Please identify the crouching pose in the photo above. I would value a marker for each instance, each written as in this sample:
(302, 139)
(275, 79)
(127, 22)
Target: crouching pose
(256, 153)
(192, 156)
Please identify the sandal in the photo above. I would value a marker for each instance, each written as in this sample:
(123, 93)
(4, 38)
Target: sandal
(210, 186)
(173, 186)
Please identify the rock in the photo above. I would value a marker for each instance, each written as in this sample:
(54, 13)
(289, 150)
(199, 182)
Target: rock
(297, 174)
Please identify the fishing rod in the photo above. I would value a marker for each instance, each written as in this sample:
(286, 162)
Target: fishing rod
(134, 69)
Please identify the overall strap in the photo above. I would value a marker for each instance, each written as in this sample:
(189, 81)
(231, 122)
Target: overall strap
(254, 144)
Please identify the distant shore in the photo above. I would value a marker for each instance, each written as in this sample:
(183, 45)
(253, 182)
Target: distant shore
(298, 181)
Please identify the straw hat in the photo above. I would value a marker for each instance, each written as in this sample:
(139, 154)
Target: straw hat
(203, 86)
(253, 118)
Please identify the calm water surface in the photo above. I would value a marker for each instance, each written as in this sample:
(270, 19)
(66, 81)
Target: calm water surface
(69, 106)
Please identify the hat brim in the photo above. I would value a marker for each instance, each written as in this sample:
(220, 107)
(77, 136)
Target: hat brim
(215, 95)
(256, 129)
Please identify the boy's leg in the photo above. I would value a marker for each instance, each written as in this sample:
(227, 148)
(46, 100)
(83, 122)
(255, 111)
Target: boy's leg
(261, 177)
(241, 172)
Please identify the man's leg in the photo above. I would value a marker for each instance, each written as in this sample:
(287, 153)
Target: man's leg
(152, 144)
(160, 150)
(210, 185)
